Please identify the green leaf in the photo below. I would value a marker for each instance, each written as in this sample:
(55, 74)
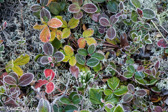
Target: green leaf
(128, 74)
(118, 108)
(113, 83)
(91, 49)
(38, 56)
(99, 56)
(131, 68)
(65, 100)
(70, 108)
(56, 44)
(95, 95)
(134, 16)
(73, 23)
(98, 1)
(22, 60)
(80, 59)
(17, 70)
(148, 14)
(1, 48)
(136, 3)
(2, 90)
(82, 52)
(139, 75)
(9, 66)
(76, 99)
(92, 62)
(98, 67)
(112, 6)
(66, 33)
(108, 92)
(54, 8)
(1, 1)
(122, 90)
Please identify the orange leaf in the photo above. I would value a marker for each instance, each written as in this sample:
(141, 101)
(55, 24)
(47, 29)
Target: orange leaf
(54, 23)
(45, 34)
(38, 27)
(81, 42)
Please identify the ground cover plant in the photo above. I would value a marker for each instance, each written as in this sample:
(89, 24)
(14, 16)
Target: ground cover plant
(84, 55)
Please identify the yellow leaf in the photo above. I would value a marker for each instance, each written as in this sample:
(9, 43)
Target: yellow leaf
(89, 32)
(90, 40)
(66, 33)
(17, 70)
(68, 50)
(53, 34)
(22, 60)
(9, 66)
(45, 34)
(59, 34)
(66, 58)
(72, 61)
(73, 23)
(38, 27)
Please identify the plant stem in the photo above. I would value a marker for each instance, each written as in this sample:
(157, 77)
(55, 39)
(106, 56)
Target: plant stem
(159, 31)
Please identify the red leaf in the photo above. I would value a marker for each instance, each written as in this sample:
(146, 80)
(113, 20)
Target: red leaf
(74, 70)
(50, 87)
(139, 11)
(95, 17)
(9, 80)
(104, 21)
(162, 43)
(111, 33)
(140, 68)
(148, 72)
(26, 79)
(78, 15)
(40, 83)
(49, 73)
(157, 65)
(89, 8)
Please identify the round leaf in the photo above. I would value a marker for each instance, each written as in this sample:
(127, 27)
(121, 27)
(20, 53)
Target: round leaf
(74, 8)
(148, 14)
(50, 87)
(45, 14)
(9, 80)
(99, 56)
(113, 83)
(48, 49)
(104, 21)
(68, 50)
(91, 49)
(59, 56)
(122, 90)
(89, 8)
(136, 3)
(26, 79)
(35, 7)
(44, 60)
(141, 92)
(127, 97)
(81, 42)
(80, 59)
(111, 33)
(55, 23)
(45, 34)
(92, 62)
(82, 52)
(73, 23)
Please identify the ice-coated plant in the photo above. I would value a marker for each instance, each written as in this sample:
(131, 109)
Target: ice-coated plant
(52, 24)
(77, 6)
(50, 86)
(49, 56)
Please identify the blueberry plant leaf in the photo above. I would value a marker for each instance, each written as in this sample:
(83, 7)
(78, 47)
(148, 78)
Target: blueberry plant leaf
(88, 33)
(26, 79)
(92, 62)
(73, 23)
(111, 33)
(22, 60)
(99, 56)
(35, 8)
(91, 49)
(89, 8)
(118, 108)
(80, 59)
(45, 34)
(81, 42)
(66, 33)
(55, 23)
(48, 49)
(148, 14)
(82, 52)
(9, 80)
(112, 6)
(122, 90)
(136, 3)
(18, 70)
(74, 8)
(59, 56)
(43, 106)
(50, 87)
